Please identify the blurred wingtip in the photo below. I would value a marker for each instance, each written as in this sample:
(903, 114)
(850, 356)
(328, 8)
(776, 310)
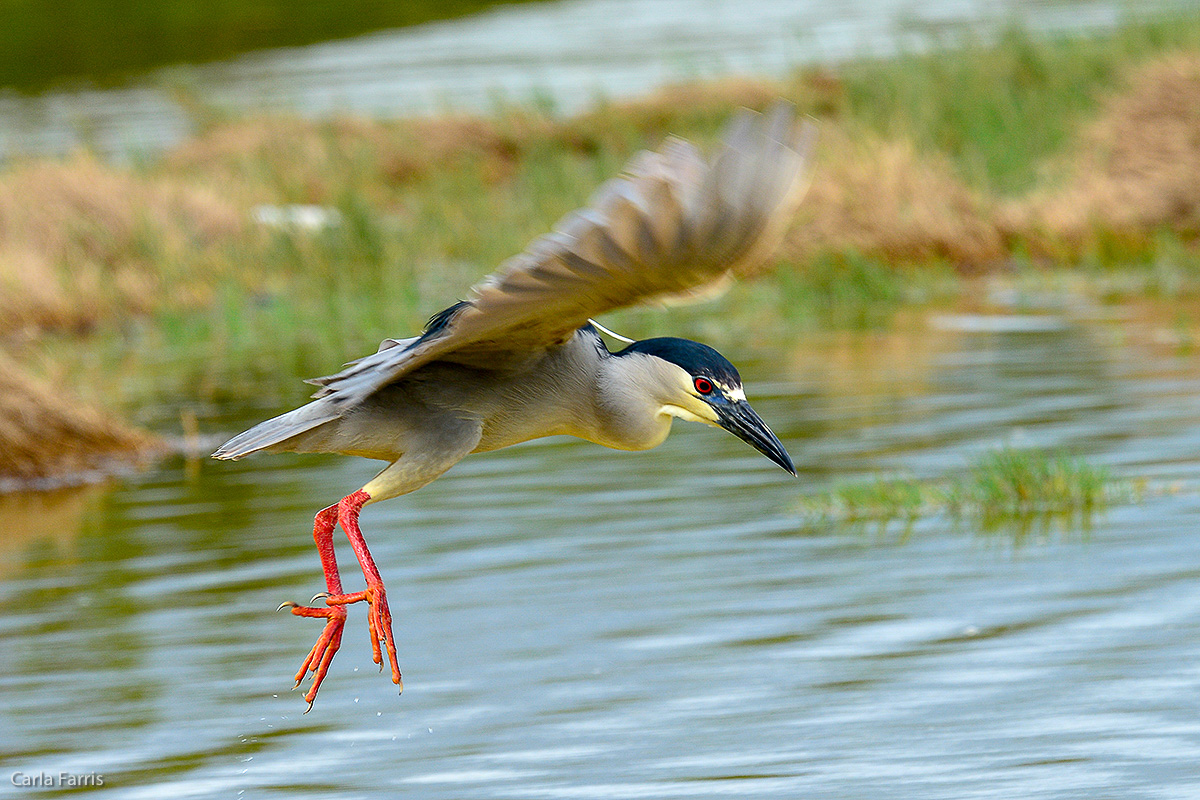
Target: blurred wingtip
(806, 138)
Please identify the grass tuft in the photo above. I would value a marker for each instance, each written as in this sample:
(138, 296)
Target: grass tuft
(1002, 487)
(44, 434)
(1015, 483)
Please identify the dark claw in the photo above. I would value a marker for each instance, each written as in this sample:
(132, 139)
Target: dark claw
(319, 594)
(287, 604)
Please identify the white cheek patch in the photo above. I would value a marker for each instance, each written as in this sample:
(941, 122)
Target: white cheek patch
(737, 393)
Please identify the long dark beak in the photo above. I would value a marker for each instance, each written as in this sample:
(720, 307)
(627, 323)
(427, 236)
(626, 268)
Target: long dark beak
(739, 419)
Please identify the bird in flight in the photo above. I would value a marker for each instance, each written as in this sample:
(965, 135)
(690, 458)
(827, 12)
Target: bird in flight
(521, 359)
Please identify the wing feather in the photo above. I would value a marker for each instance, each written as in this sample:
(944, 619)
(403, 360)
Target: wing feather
(672, 225)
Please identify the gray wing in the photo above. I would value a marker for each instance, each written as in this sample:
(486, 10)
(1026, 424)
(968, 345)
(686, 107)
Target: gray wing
(672, 224)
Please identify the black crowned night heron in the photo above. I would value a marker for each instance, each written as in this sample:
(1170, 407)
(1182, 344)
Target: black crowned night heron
(521, 359)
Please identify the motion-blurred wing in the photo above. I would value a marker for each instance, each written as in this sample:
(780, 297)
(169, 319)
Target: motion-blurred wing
(673, 224)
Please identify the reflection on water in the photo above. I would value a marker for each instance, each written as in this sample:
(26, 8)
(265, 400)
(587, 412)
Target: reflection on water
(581, 623)
(567, 52)
(43, 526)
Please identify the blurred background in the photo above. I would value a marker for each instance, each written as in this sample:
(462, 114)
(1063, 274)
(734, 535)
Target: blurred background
(978, 342)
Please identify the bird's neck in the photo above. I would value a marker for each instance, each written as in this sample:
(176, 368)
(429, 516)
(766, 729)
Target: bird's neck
(629, 405)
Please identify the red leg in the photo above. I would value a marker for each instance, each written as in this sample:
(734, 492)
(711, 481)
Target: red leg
(379, 618)
(321, 655)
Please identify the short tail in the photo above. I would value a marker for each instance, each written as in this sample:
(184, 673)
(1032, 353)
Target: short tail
(278, 429)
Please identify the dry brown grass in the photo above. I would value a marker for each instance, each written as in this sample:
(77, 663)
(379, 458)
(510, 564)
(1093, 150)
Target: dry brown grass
(659, 112)
(80, 240)
(251, 151)
(704, 99)
(32, 298)
(883, 199)
(298, 160)
(45, 433)
(1135, 171)
(1136, 167)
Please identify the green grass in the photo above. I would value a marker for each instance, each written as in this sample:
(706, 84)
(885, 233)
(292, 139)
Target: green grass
(999, 108)
(1002, 487)
(1014, 482)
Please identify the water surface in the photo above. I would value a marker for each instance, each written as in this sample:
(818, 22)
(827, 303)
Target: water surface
(580, 623)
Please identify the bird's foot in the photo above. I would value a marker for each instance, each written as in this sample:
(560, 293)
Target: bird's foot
(379, 625)
(322, 653)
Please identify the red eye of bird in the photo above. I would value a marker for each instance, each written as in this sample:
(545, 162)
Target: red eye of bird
(703, 385)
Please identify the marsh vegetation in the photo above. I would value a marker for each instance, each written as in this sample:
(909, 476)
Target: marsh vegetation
(1066, 159)
(1003, 487)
